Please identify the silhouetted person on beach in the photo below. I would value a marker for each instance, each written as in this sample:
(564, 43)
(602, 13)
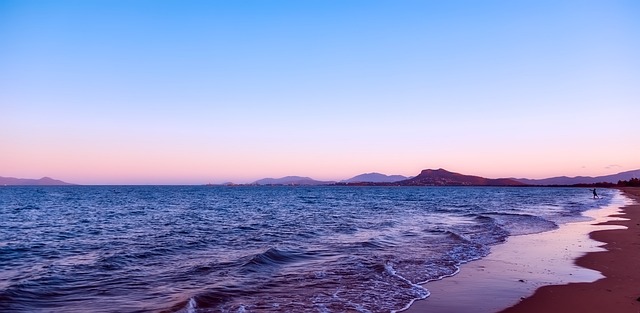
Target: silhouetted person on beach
(595, 195)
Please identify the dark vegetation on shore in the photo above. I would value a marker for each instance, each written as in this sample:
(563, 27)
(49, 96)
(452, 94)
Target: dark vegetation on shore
(633, 182)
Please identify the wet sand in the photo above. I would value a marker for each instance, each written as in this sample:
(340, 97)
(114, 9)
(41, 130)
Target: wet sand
(619, 291)
(542, 263)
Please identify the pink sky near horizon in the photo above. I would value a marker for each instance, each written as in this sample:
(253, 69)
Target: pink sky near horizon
(118, 165)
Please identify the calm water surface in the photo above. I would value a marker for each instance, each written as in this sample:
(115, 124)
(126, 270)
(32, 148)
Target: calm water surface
(255, 249)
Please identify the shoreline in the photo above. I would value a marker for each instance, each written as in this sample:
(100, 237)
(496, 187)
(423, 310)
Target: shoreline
(618, 291)
(516, 269)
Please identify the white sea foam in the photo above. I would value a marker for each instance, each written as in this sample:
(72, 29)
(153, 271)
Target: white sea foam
(419, 291)
(191, 306)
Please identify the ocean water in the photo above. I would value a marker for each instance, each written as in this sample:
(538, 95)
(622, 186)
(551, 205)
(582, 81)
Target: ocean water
(255, 249)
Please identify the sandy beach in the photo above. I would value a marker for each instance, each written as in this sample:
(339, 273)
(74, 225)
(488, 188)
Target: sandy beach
(618, 291)
(580, 267)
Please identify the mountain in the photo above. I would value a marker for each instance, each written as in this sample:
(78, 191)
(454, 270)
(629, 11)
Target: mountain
(375, 178)
(44, 181)
(564, 180)
(291, 180)
(441, 177)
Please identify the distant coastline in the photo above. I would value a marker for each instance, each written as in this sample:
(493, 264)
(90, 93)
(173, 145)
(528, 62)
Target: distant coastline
(44, 181)
(427, 177)
(442, 177)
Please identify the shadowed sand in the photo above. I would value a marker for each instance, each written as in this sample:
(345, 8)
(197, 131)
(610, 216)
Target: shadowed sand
(544, 264)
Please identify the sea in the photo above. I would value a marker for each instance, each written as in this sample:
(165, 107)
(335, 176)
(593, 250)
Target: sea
(255, 248)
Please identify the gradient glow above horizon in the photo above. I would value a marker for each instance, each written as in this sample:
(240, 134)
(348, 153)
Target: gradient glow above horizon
(192, 92)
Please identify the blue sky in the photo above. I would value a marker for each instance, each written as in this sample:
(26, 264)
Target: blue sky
(213, 91)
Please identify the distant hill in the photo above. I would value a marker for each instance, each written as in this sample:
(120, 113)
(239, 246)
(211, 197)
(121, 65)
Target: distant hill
(291, 180)
(564, 180)
(441, 177)
(375, 178)
(44, 181)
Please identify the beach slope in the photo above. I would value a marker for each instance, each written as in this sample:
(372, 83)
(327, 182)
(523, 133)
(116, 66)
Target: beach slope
(618, 291)
(580, 267)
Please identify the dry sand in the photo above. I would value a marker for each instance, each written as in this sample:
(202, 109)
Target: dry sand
(544, 264)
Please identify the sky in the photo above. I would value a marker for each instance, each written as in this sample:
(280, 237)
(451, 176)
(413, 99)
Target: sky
(194, 92)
